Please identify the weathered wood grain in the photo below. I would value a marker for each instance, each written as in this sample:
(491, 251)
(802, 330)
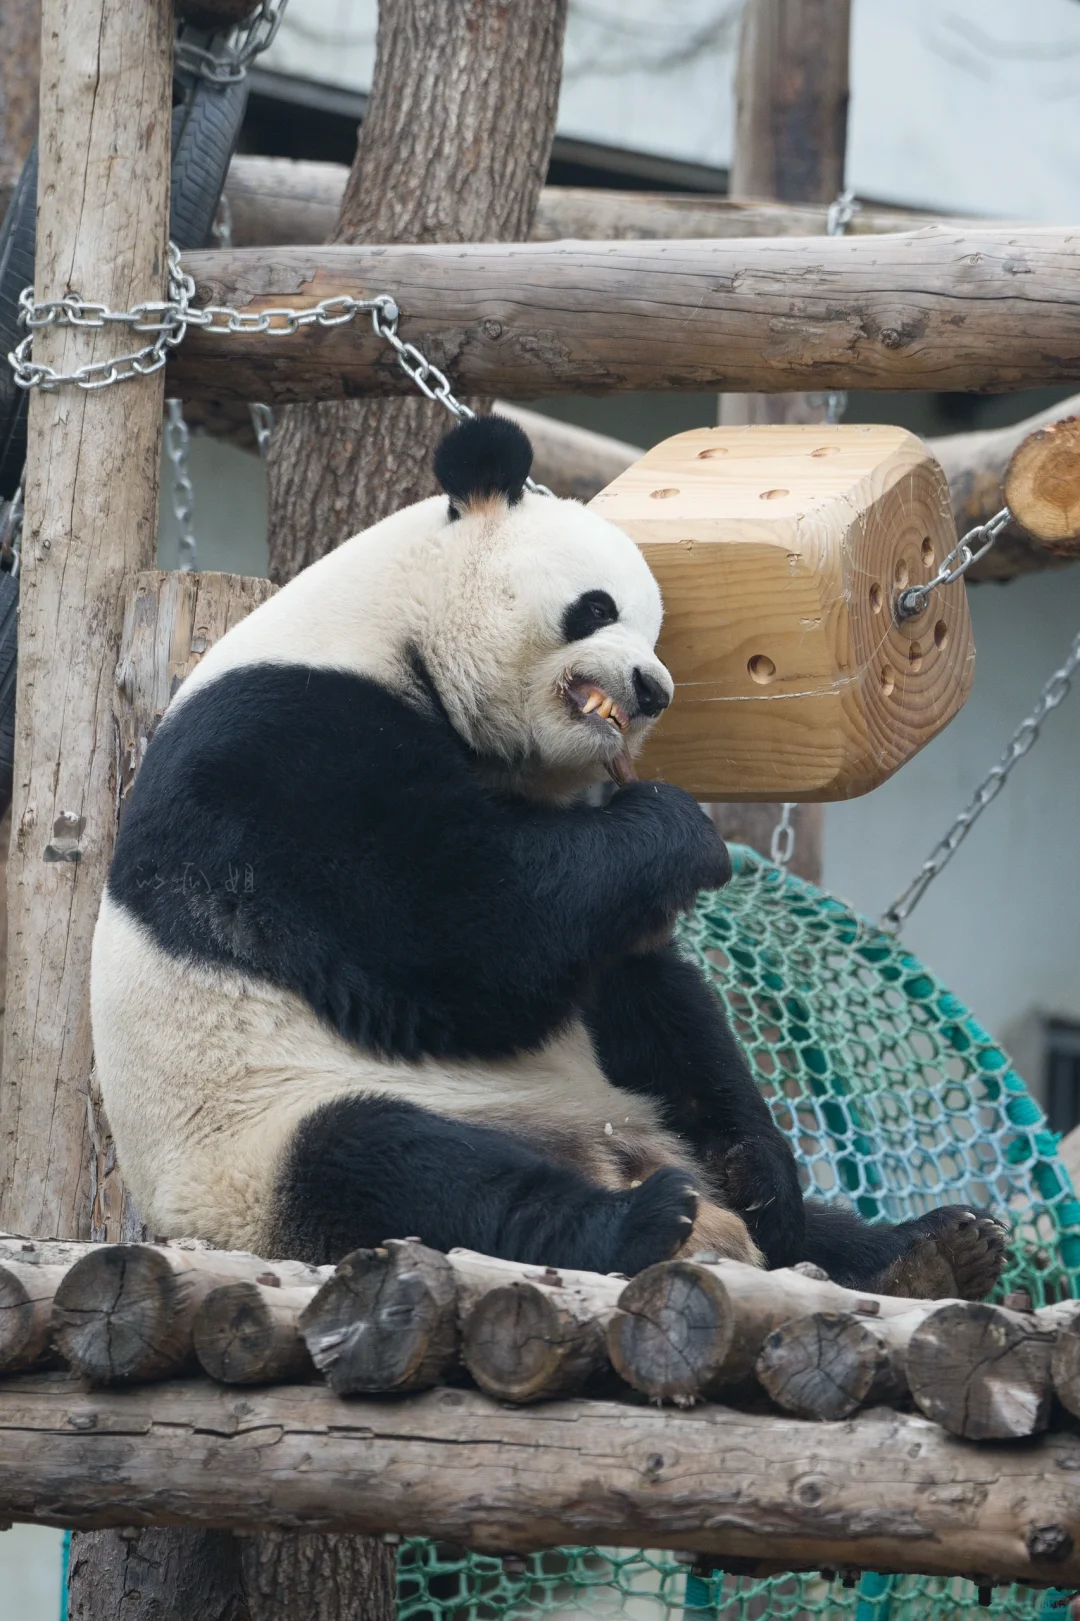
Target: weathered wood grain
(296, 201)
(248, 1332)
(986, 310)
(91, 520)
(883, 1492)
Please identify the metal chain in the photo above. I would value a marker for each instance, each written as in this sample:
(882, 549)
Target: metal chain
(230, 61)
(841, 213)
(262, 420)
(169, 320)
(1054, 693)
(782, 843)
(177, 446)
(975, 544)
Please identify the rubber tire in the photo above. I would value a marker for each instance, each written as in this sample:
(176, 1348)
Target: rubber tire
(16, 272)
(205, 129)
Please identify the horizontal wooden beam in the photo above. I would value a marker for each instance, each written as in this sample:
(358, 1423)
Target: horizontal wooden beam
(279, 200)
(889, 1492)
(937, 309)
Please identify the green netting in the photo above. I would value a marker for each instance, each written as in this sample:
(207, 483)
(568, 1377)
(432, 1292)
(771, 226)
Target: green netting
(896, 1100)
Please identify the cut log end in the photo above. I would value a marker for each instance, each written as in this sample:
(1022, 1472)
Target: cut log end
(248, 1333)
(981, 1371)
(386, 1320)
(672, 1331)
(1042, 486)
(114, 1314)
(822, 1366)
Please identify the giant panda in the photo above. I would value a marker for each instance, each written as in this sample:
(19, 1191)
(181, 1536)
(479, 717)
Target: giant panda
(373, 962)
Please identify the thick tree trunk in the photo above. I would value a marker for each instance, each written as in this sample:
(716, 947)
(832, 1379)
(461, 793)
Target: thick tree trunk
(454, 148)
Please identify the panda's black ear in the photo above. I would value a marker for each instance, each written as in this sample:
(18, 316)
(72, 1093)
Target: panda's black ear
(481, 458)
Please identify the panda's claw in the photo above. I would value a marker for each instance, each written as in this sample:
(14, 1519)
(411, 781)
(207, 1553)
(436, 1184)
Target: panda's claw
(657, 1218)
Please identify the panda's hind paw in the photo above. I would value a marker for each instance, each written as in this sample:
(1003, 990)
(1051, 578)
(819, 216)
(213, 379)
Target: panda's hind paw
(659, 1217)
(955, 1253)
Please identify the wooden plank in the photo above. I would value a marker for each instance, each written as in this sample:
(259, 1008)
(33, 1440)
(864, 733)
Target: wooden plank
(885, 1492)
(986, 310)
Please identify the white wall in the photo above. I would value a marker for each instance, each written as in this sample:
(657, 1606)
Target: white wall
(1001, 924)
(30, 1558)
(962, 104)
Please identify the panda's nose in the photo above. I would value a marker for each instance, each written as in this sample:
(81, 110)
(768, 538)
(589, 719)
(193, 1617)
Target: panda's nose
(651, 697)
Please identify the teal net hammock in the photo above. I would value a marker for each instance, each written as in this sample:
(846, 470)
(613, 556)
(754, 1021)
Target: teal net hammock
(896, 1100)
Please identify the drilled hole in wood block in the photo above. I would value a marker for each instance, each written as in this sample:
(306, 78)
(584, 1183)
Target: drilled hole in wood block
(941, 633)
(900, 575)
(826, 450)
(661, 495)
(707, 455)
(876, 597)
(888, 681)
(928, 552)
(773, 495)
(915, 655)
(761, 669)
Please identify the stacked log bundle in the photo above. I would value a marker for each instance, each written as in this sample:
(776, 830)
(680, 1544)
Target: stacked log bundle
(403, 1318)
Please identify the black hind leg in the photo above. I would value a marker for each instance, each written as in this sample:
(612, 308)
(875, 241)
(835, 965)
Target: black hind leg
(954, 1252)
(363, 1169)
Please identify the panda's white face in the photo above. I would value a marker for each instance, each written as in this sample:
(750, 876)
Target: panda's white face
(541, 641)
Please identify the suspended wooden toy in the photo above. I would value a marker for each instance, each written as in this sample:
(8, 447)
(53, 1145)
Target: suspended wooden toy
(781, 553)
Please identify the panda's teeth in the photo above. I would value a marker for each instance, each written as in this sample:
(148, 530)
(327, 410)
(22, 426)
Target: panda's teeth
(604, 710)
(593, 701)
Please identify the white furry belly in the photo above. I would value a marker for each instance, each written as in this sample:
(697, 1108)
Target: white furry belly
(205, 1074)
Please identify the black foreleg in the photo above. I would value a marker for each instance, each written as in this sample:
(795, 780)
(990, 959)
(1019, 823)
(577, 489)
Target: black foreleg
(658, 1028)
(362, 1170)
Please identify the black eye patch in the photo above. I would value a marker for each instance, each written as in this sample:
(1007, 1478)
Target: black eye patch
(591, 612)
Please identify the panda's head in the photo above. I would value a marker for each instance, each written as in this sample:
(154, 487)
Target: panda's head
(541, 636)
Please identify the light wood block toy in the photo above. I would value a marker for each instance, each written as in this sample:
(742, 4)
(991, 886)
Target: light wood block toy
(780, 552)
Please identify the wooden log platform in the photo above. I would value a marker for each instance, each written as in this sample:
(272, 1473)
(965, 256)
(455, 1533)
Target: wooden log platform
(979, 310)
(885, 1492)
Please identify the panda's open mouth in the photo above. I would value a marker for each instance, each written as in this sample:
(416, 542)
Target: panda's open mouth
(592, 702)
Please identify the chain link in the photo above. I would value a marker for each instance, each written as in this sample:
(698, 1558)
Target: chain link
(262, 420)
(1023, 739)
(170, 319)
(230, 61)
(782, 843)
(177, 446)
(975, 544)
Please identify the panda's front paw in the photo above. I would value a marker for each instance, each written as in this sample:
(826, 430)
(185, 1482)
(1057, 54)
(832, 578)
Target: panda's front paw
(756, 1176)
(686, 853)
(658, 1219)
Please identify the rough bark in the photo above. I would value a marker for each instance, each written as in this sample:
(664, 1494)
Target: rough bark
(791, 97)
(884, 1492)
(983, 310)
(279, 200)
(454, 148)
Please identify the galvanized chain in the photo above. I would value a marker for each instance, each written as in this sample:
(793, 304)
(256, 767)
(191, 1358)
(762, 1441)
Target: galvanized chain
(782, 843)
(169, 320)
(975, 544)
(842, 211)
(262, 420)
(1023, 739)
(229, 62)
(177, 446)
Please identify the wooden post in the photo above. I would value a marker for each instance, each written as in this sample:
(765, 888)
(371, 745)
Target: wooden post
(791, 99)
